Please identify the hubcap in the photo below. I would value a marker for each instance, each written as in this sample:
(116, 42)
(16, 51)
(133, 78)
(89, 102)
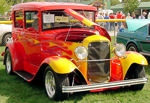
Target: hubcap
(8, 63)
(132, 48)
(50, 84)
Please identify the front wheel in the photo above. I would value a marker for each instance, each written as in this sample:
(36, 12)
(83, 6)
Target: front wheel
(53, 84)
(134, 72)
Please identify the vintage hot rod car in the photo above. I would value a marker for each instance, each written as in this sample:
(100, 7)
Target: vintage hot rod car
(61, 44)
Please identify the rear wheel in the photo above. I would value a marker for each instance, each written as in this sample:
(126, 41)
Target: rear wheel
(132, 47)
(8, 62)
(53, 84)
(134, 72)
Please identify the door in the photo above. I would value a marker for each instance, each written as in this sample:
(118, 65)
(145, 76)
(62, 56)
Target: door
(32, 39)
(17, 31)
(145, 39)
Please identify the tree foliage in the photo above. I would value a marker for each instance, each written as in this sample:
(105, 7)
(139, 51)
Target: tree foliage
(5, 6)
(115, 2)
(130, 5)
(145, 0)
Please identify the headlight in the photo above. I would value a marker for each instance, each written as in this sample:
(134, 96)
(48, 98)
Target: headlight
(81, 52)
(120, 50)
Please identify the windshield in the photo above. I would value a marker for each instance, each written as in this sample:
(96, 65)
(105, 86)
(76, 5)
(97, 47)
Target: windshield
(56, 19)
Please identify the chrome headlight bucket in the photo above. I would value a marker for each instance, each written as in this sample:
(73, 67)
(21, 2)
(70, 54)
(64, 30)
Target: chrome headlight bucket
(81, 52)
(120, 50)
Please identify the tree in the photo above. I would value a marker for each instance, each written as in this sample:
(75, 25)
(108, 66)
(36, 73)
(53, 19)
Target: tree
(5, 6)
(145, 0)
(130, 5)
(115, 2)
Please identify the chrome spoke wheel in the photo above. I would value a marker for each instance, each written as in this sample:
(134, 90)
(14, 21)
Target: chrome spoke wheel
(50, 84)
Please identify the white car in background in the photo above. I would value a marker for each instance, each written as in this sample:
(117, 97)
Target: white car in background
(5, 33)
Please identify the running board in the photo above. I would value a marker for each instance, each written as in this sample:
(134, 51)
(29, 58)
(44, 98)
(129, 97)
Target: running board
(81, 88)
(25, 75)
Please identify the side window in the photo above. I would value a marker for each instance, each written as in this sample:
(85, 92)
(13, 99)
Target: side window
(143, 29)
(31, 19)
(18, 19)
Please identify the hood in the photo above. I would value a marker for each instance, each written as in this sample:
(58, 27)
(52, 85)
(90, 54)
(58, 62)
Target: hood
(88, 23)
(134, 24)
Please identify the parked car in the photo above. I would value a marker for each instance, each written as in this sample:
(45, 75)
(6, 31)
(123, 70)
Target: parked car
(58, 43)
(136, 36)
(5, 33)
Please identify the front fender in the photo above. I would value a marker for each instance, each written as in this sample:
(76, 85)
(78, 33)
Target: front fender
(60, 65)
(130, 58)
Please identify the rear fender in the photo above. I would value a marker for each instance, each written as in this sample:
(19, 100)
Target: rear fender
(17, 55)
(60, 65)
(132, 58)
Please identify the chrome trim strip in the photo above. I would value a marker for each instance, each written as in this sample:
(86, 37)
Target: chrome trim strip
(98, 60)
(147, 54)
(81, 88)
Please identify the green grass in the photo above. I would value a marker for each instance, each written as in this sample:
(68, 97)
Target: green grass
(14, 89)
(2, 48)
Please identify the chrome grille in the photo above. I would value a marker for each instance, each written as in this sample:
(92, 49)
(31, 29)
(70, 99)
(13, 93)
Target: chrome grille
(98, 71)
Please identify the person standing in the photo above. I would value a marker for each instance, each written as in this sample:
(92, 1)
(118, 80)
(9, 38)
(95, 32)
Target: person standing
(119, 16)
(133, 15)
(112, 24)
(143, 15)
(100, 16)
(106, 25)
(128, 16)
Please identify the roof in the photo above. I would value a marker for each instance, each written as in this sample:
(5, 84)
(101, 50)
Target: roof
(143, 5)
(79, 1)
(52, 6)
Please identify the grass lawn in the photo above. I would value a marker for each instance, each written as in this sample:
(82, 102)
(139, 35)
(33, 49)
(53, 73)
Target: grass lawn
(14, 89)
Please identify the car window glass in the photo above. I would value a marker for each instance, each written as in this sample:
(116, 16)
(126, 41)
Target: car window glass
(57, 19)
(19, 19)
(143, 29)
(31, 19)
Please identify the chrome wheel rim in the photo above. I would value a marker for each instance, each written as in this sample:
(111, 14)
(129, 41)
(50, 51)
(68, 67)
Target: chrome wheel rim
(50, 84)
(132, 48)
(8, 63)
(8, 39)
